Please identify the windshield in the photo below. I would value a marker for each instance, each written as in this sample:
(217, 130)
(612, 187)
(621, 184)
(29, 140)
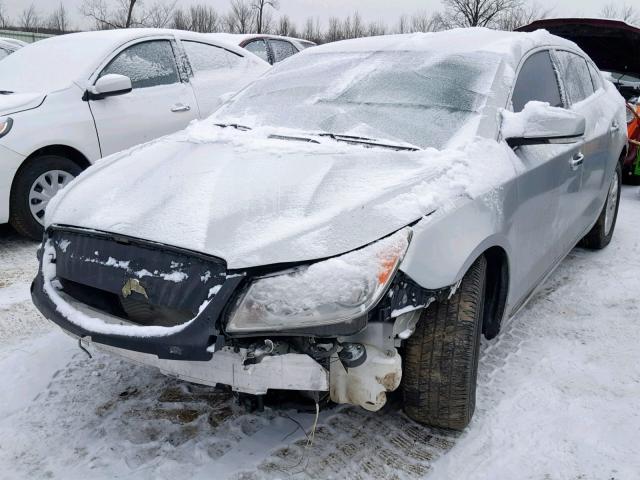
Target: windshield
(420, 98)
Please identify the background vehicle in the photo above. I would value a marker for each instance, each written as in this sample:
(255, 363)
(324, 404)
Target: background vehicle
(270, 48)
(615, 48)
(99, 93)
(8, 46)
(348, 224)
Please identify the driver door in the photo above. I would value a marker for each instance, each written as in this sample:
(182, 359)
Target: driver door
(550, 186)
(159, 104)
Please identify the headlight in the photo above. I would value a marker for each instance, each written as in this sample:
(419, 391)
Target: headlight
(325, 293)
(5, 126)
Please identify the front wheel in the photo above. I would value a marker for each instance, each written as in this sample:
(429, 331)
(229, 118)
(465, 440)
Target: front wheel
(602, 232)
(441, 357)
(35, 185)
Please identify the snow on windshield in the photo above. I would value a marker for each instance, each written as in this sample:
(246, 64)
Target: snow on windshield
(421, 98)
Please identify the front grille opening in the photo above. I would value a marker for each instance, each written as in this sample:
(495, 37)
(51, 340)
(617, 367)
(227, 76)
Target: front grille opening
(135, 308)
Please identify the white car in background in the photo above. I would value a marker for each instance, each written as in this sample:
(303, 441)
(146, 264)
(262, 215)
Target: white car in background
(270, 48)
(9, 45)
(68, 101)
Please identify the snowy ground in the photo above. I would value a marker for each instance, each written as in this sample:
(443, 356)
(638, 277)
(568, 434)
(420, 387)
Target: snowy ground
(559, 397)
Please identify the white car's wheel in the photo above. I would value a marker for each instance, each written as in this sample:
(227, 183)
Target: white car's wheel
(36, 183)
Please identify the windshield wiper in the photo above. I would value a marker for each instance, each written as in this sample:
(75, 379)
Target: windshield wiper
(367, 142)
(233, 125)
(6, 92)
(291, 138)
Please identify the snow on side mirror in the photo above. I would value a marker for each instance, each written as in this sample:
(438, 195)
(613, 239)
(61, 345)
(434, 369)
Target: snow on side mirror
(541, 124)
(108, 86)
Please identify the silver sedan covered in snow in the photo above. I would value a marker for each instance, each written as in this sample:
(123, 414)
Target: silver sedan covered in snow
(349, 224)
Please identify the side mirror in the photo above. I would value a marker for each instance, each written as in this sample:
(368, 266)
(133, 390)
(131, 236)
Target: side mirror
(109, 86)
(541, 124)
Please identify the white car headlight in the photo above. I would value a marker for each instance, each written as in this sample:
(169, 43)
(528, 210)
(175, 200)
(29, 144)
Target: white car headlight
(325, 293)
(5, 126)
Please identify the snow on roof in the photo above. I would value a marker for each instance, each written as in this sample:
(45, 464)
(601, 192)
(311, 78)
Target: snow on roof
(75, 56)
(455, 41)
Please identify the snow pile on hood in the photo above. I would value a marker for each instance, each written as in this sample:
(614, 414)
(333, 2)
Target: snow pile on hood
(254, 200)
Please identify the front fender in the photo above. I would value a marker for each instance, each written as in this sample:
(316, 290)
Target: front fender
(445, 244)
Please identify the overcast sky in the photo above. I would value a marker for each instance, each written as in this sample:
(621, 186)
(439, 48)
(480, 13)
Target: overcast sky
(299, 10)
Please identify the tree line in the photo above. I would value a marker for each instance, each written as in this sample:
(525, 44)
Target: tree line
(265, 16)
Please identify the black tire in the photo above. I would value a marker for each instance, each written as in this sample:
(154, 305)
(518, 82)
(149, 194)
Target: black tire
(20, 215)
(441, 357)
(598, 237)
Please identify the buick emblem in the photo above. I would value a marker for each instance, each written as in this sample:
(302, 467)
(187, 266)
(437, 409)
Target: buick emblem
(133, 285)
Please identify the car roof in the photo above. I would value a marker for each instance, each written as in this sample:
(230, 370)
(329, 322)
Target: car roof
(103, 42)
(239, 38)
(458, 40)
(83, 52)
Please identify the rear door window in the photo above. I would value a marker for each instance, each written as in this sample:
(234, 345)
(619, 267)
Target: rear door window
(575, 75)
(205, 58)
(147, 64)
(259, 48)
(281, 49)
(537, 81)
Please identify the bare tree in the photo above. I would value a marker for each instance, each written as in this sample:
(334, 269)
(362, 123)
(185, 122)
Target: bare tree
(159, 14)
(312, 31)
(198, 18)
(239, 19)
(59, 19)
(376, 28)
(104, 17)
(334, 31)
(424, 22)
(626, 13)
(286, 27)
(403, 24)
(29, 18)
(476, 13)
(523, 15)
(259, 7)
(4, 19)
(353, 26)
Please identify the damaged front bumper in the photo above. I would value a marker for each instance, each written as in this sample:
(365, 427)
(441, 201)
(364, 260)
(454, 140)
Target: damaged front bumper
(76, 287)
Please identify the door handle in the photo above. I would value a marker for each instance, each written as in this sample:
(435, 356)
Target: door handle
(576, 161)
(614, 127)
(179, 107)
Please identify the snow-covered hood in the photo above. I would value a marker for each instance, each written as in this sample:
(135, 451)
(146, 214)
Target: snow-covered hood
(254, 200)
(18, 102)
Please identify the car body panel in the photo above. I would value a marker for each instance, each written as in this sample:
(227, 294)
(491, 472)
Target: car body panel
(15, 103)
(9, 165)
